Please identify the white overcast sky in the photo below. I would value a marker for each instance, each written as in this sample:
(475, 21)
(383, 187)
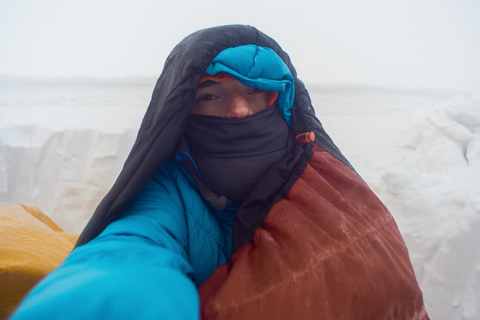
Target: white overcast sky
(408, 43)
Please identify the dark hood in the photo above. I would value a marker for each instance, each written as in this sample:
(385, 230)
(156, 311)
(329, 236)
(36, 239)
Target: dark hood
(167, 113)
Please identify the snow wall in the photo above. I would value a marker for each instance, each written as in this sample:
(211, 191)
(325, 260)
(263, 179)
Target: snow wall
(436, 193)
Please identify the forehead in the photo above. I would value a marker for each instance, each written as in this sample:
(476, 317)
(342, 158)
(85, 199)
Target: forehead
(211, 83)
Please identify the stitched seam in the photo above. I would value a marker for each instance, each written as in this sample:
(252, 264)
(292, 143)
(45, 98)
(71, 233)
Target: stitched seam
(293, 278)
(333, 205)
(253, 62)
(198, 225)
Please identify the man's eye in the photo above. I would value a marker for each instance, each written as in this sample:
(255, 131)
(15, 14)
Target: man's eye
(253, 90)
(207, 97)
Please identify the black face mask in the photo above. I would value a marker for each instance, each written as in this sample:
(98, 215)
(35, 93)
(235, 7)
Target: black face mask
(232, 154)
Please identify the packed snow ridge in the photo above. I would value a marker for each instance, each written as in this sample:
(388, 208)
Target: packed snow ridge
(437, 191)
(65, 173)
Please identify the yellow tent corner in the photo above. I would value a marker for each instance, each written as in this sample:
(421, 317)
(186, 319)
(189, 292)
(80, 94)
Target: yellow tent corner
(31, 246)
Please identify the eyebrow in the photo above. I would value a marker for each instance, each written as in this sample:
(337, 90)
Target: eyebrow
(207, 83)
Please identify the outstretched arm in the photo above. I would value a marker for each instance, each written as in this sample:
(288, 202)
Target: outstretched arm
(136, 269)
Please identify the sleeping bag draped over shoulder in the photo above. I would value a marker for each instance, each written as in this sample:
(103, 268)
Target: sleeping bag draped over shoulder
(328, 250)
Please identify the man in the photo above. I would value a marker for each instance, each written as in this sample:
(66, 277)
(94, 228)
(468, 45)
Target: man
(233, 187)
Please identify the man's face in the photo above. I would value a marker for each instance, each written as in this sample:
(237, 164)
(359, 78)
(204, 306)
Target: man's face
(229, 99)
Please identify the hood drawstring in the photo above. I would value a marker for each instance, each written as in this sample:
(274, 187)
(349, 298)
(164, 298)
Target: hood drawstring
(306, 137)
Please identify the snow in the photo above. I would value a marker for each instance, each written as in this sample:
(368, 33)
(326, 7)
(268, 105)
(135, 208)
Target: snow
(63, 143)
(436, 192)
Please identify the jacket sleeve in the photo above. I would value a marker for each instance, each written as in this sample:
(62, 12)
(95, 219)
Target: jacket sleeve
(136, 269)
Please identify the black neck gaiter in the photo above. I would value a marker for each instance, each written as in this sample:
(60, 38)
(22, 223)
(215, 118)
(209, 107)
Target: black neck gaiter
(232, 154)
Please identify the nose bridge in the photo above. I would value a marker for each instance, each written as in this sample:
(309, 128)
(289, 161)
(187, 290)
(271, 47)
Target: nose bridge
(238, 105)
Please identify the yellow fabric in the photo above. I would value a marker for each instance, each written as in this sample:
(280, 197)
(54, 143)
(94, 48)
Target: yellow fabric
(31, 246)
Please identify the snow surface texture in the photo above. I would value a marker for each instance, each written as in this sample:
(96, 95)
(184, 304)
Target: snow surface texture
(63, 143)
(436, 195)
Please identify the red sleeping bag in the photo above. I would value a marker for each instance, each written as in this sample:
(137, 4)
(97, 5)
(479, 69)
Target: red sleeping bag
(329, 250)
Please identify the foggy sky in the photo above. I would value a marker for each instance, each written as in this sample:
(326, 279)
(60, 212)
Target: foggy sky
(408, 44)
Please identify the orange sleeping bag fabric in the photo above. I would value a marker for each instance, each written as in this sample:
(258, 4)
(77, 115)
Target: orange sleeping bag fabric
(329, 250)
